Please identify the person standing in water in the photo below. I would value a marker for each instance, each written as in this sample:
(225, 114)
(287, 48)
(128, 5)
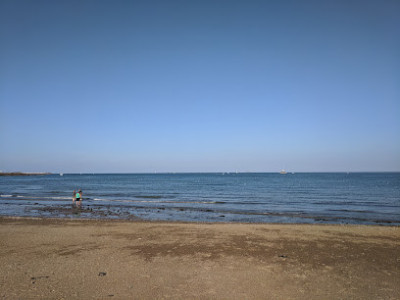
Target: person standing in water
(78, 198)
(73, 196)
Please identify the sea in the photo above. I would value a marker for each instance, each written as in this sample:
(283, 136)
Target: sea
(323, 198)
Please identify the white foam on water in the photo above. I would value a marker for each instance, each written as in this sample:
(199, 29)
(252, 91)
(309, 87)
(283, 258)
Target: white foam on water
(33, 197)
(98, 199)
(65, 198)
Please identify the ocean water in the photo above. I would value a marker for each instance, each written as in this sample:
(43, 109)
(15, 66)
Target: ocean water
(339, 198)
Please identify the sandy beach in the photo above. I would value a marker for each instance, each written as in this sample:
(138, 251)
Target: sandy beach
(90, 259)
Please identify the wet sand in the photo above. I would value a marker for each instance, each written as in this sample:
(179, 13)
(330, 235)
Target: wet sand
(100, 259)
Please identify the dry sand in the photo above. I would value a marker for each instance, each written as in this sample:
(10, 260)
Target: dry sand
(78, 259)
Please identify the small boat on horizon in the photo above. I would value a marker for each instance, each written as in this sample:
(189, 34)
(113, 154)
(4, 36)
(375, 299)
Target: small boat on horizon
(282, 172)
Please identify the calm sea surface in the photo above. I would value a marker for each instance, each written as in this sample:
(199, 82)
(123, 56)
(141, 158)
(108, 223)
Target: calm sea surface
(354, 198)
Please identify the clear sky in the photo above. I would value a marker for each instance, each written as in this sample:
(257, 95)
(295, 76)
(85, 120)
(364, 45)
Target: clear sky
(181, 86)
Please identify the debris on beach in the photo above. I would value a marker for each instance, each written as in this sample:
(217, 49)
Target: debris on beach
(33, 279)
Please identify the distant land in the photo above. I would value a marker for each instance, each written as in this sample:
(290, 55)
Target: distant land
(22, 174)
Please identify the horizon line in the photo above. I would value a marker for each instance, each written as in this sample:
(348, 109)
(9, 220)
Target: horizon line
(195, 172)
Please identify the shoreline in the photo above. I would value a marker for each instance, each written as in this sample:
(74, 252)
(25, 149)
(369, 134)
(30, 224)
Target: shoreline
(91, 210)
(121, 259)
(179, 222)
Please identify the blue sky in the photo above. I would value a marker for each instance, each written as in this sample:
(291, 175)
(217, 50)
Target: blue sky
(186, 86)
